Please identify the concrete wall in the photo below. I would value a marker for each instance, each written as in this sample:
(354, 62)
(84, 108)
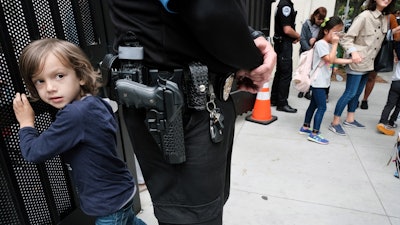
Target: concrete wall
(304, 9)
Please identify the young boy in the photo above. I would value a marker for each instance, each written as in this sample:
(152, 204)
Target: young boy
(83, 133)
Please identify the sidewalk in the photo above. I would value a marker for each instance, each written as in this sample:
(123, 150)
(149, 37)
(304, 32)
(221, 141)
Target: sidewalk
(280, 178)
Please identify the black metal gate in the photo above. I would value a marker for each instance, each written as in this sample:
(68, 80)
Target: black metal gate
(259, 14)
(43, 194)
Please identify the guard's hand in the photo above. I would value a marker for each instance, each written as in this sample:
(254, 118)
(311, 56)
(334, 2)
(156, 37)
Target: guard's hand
(261, 74)
(245, 84)
(23, 111)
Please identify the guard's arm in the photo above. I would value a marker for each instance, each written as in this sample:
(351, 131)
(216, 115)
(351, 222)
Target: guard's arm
(221, 28)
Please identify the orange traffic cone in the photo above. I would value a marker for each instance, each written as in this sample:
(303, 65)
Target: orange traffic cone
(262, 108)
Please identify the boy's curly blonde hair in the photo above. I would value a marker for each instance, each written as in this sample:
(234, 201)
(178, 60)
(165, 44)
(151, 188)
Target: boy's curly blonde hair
(34, 55)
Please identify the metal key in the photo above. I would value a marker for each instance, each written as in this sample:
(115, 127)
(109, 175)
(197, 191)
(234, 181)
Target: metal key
(216, 126)
(218, 119)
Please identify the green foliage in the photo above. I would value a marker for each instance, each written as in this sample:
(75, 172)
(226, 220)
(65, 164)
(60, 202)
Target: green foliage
(355, 7)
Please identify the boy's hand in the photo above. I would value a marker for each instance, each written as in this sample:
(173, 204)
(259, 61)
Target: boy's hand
(23, 111)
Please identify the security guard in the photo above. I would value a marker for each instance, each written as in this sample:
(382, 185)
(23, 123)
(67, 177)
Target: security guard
(285, 35)
(174, 34)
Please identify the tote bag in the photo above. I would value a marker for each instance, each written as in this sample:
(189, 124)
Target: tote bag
(384, 60)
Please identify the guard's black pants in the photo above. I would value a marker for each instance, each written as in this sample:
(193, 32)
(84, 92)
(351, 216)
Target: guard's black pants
(193, 192)
(283, 73)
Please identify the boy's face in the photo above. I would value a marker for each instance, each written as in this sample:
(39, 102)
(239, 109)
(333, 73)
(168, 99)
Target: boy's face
(57, 84)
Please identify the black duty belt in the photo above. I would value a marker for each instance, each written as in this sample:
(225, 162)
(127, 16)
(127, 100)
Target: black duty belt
(280, 39)
(190, 80)
(193, 80)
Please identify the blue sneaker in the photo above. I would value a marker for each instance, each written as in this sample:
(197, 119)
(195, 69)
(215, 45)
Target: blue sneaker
(353, 124)
(396, 174)
(317, 138)
(337, 129)
(305, 131)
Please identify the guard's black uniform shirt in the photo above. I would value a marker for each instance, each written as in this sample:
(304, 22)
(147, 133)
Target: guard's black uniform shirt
(214, 32)
(285, 16)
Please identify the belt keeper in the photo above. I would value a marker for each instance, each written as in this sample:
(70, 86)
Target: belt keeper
(196, 79)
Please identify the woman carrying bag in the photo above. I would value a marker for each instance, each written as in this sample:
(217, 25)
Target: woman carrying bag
(362, 42)
(372, 75)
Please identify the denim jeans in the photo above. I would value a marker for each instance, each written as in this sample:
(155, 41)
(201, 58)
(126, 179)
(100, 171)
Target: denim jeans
(124, 216)
(354, 86)
(317, 102)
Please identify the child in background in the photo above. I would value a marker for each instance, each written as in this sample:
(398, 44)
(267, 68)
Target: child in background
(309, 34)
(386, 125)
(324, 50)
(83, 133)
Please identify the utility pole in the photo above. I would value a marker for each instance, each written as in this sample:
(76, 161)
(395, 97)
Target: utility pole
(346, 10)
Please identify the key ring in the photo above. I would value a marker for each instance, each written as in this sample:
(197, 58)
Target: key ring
(210, 105)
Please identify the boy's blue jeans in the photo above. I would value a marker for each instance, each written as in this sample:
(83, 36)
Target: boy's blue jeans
(354, 86)
(317, 102)
(124, 216)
